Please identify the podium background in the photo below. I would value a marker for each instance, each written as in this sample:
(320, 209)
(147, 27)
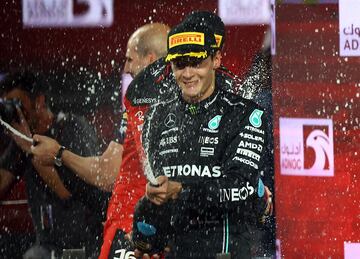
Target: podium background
(316, 215)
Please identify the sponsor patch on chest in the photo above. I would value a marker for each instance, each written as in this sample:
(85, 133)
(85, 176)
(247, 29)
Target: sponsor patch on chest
(192, 171)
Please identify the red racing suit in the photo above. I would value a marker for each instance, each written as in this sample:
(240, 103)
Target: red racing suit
(130, 184)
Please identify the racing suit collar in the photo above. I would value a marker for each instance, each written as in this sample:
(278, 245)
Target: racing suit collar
(196, 108)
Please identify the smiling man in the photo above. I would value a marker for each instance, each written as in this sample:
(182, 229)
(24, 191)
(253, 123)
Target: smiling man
(196, 84)
(205, 162)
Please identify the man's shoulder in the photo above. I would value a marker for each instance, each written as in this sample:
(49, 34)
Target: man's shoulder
(236, 101)
(228, 80)
(75, 131)
(72, 121)
(236, 104)
(150, 84)
(163, 108)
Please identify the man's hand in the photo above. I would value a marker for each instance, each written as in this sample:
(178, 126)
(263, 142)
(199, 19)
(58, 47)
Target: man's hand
(6, 180)
(45, 150)
(269, 205)
(24, 128)
(165, 191)
(139, 254)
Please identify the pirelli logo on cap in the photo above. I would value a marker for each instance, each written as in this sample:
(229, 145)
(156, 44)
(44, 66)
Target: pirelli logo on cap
(218, 39)
(186, 38)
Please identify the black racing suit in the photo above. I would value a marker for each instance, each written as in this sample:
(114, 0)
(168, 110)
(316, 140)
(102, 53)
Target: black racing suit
(215, 149)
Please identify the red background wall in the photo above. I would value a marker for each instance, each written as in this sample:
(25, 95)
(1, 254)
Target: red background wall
(97, 47)
(316, 215)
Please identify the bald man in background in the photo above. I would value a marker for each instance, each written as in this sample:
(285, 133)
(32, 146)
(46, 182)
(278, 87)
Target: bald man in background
(145, 45)
(119, 164)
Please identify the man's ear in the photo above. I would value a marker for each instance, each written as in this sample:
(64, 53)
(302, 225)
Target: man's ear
(151, 57)
(217, 59)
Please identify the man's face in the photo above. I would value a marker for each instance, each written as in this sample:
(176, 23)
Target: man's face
(134, 62)
(195, 77)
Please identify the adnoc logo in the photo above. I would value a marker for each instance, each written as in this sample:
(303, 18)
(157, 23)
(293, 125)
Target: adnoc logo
(255, 118)
(306, 147)
(214, 122)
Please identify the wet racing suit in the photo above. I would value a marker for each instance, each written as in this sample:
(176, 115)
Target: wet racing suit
(129, 186)
(152, 84)
(215, 149)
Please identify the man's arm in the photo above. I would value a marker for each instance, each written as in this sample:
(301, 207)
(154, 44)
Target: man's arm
(52, 179)
(6, 179)
(48, 174)
(100, 171)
